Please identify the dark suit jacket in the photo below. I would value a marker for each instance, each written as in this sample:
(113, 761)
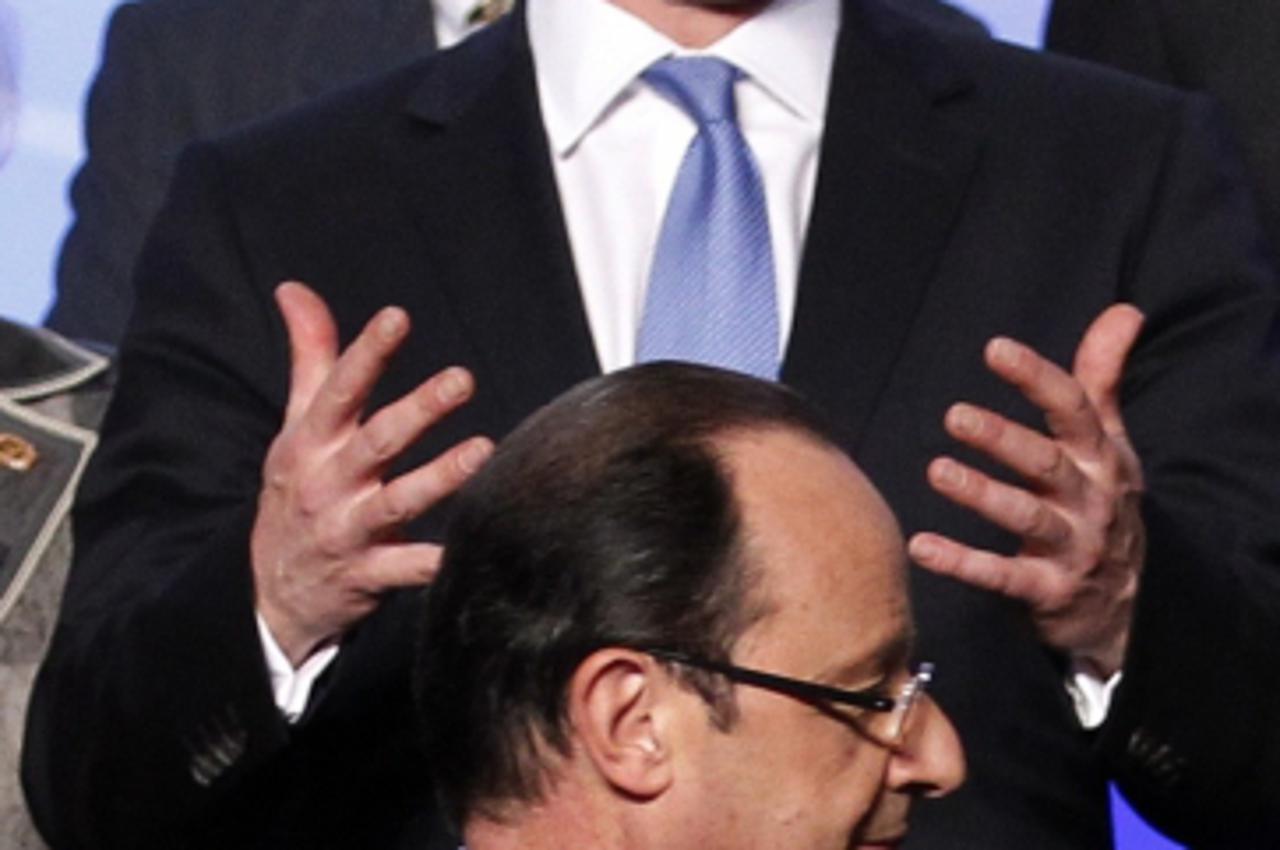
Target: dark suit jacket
(177, 70)
(1231, 50)
(966, 189)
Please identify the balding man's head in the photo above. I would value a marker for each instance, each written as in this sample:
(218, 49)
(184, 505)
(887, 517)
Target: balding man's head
(624, 545)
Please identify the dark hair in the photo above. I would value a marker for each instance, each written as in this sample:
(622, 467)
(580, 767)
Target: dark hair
(606, 519)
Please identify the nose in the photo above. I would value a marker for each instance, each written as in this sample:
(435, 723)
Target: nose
(930, 762)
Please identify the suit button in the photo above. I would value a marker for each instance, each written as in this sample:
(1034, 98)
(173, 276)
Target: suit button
(1162, 765)
(17, 454)
(217, 746)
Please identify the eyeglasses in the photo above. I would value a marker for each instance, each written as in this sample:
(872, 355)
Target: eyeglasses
(886, 727)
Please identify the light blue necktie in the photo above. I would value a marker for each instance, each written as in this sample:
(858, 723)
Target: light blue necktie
(711, 297)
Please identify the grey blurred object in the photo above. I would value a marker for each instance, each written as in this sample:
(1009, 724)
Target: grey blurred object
(52, 395)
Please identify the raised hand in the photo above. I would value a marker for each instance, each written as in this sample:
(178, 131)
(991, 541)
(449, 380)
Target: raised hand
(327, 539)
(1083, 538)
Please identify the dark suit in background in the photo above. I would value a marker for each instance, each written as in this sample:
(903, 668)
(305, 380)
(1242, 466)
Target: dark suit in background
(966, 189)
(1231, 50)
(177, 70)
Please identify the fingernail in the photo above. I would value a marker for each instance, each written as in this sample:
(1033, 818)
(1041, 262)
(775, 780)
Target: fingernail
(389, 324)
(948, 472)
(1004, 351)
(964, 419)
(474, 455)
(453, 386)
(922, 549)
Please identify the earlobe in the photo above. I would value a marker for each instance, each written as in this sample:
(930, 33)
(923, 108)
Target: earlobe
(616, 706)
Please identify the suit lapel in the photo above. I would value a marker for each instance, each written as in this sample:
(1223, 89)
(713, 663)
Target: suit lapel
(895, 165)
(896, 162)
(490, 214)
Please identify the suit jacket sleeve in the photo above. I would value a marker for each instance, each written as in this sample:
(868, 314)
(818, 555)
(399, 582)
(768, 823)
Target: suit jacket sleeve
(1191, 736)
(152, 722)
(154, 703)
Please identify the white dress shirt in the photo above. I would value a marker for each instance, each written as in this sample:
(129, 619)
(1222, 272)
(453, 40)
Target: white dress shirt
(616, 146)
(452, 21)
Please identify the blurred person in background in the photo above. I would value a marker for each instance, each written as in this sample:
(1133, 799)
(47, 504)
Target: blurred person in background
(174, 71)
(52, 394)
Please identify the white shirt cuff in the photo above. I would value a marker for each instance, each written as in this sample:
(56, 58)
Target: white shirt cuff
(292, 687)
(1090, 695)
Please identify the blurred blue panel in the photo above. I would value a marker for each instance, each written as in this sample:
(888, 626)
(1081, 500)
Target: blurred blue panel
(1019, 21)
(1132, 833)
(57, 51)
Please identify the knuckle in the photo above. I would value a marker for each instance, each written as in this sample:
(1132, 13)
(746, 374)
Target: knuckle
(1034, 517)
(330, 541)
(1050, 463)
(379, 442)
(1092, 553)
(428, 400)
(393, 508)
(1104, 515)
(1001, 581)
(1058, 593)
(282, 456)
(1077, 400)
(276, 473)
(311, 498)
(340, 393)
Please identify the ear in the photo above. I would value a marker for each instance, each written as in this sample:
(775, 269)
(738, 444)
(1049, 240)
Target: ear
(618, 699)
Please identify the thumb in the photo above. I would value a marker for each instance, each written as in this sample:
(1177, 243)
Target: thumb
(1100, 360)
(313, 343)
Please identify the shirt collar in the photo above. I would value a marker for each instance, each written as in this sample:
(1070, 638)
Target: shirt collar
(588, 52)
(454, 13)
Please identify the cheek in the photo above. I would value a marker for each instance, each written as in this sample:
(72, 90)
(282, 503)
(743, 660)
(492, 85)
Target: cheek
(852, 772)
(833, 780)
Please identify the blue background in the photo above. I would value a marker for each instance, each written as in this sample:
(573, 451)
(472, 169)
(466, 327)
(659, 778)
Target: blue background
(58, 44)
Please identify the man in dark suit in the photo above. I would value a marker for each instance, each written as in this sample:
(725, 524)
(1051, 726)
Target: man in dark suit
(174, 71)
(1226, 49)
(966, 190)
(178, 70)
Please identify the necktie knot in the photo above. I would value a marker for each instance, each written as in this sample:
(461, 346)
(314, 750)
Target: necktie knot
(702, 86)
